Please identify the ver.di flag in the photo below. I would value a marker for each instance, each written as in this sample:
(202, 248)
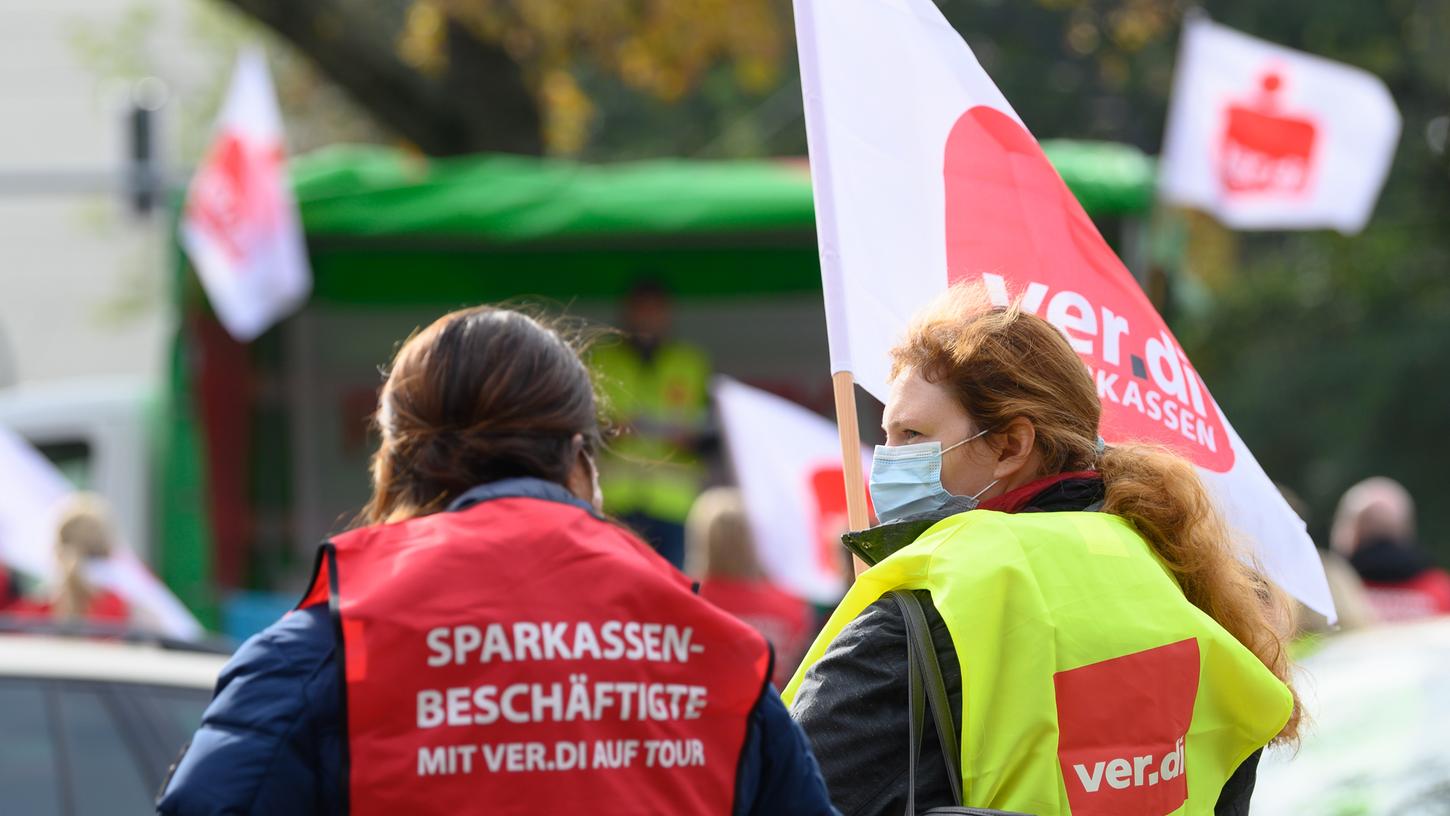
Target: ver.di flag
(787, 460)
(240, 225)
(1265, 137)
(924, 176)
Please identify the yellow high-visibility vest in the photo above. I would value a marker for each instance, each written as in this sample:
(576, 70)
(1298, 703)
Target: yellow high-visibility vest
(645, 471)
(1091, 686)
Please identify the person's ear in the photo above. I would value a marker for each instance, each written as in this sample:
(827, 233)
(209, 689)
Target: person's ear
(583, 477)
(578, 478)
(1014, 445)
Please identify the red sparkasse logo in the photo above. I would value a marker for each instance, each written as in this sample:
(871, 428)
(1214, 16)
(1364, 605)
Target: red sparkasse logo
(1014, 225)
(1121, 730)
(1263, 150)
(236, 195)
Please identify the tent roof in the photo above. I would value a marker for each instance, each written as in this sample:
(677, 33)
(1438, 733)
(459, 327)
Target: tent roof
(364, 192)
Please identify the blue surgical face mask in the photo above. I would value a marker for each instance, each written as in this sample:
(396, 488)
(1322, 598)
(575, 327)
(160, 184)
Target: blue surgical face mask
(906, 481)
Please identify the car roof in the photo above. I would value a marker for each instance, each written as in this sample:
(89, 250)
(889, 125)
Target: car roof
(106, 661)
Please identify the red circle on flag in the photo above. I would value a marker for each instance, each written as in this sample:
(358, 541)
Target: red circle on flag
(1013, 224)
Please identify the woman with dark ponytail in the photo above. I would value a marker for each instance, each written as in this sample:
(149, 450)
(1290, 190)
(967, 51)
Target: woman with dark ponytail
(485, 641)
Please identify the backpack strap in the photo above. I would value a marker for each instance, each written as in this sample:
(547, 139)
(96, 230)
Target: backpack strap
(926, 684)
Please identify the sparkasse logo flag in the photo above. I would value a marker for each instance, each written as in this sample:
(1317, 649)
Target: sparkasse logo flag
(240, 225)
(924, 176)
(1265, 137)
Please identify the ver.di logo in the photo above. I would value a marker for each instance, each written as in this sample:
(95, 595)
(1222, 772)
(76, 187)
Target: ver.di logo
(1014, 225)
(1122, 728)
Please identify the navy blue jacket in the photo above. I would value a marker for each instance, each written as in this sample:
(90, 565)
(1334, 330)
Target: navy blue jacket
(271, 741)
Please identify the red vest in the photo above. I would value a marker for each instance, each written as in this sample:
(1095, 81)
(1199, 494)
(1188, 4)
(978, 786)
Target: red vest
(523, 656)
(1424, 596)
(784, 620)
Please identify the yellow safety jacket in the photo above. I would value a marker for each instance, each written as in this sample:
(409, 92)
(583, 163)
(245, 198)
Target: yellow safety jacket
(645, 470)
(1091, 686)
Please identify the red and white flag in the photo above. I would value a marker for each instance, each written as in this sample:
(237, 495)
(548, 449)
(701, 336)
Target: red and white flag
(240, 225)
(1265, 137)
(924, 176)
(787, 460)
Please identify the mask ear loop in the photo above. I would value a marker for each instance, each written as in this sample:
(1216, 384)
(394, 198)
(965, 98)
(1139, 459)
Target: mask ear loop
(978, 494)
(978, 435)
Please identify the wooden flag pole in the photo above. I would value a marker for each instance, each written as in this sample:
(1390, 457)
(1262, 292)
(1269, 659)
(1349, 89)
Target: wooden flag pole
(856, 515)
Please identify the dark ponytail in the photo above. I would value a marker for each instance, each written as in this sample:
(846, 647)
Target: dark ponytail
(481, 394)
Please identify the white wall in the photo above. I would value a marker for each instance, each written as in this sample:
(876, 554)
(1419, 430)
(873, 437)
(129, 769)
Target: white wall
(82, 283)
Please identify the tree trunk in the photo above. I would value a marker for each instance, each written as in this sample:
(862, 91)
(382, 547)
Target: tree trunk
(479, 102)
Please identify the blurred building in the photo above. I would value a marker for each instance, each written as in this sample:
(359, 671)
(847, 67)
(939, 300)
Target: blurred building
(81, 276)
(84, 310)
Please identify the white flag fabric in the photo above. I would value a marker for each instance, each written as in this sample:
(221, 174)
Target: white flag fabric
(787, 460)
(1265, 137)
(240, 226)
(924, 177)
(32, 492)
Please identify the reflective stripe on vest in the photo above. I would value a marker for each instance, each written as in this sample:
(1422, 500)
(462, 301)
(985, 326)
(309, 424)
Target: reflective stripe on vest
(1092, 687)
(523, 656)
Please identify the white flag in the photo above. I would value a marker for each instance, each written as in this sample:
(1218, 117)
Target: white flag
(240, 226)
(32, 493)
(787, 460)
(924, 176)
(1265, 137)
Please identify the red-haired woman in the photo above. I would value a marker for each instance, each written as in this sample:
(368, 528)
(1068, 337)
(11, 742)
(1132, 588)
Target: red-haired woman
(488, 643)
(1101, 646)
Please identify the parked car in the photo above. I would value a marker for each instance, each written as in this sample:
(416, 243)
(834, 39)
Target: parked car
(1378, 701)
(91, 726)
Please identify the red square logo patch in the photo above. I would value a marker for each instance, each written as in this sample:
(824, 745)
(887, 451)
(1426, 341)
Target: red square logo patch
(1121, 729)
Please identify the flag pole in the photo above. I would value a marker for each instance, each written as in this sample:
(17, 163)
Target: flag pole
(845, 390)
(857, 518)
(843, 382)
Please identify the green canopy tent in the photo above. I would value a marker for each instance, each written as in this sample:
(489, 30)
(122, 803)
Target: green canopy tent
(366, 210)
(271, 438)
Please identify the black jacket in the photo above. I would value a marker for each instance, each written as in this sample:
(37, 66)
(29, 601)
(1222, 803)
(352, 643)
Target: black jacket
(852, 703)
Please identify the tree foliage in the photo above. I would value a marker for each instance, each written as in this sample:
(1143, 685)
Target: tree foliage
(471, 97)
(658, 49)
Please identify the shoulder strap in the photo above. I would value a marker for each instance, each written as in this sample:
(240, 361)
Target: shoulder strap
(915, 701)
(925, 679)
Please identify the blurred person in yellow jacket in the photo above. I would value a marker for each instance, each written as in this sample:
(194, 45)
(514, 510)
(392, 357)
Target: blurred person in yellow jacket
(656, 391)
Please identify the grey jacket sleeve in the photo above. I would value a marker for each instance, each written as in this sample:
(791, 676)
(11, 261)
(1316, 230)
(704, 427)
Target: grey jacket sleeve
(852, 705)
